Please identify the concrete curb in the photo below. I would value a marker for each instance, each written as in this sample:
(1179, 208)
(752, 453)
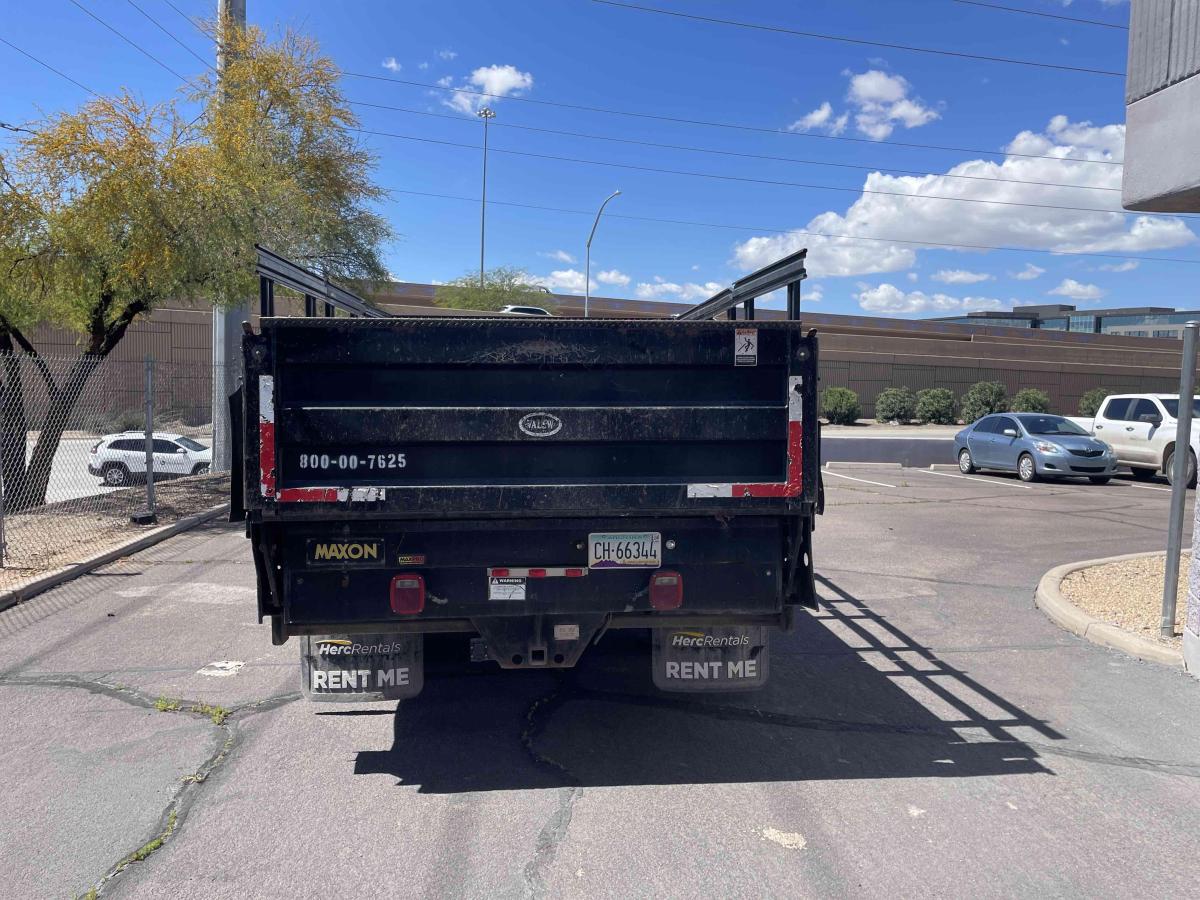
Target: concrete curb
(1064, 613)
(54, 579)
(862, 465)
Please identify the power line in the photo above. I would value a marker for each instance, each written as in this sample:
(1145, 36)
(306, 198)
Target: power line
(860, 41)
(131, 43)
(16, 128)
(823, 234)
(726, 125)
(745, 179)
(169, 34)
(46, 65)
(791, 159)
(1045, 15)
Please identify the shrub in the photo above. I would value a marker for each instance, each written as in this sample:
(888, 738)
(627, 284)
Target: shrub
(840, 406)
(1031, 400)
(982, 398)
(896, 405)
(936, 405)
(1089, 403)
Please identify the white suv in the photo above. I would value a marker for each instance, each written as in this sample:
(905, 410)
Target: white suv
(1141, 430)
(117, 458)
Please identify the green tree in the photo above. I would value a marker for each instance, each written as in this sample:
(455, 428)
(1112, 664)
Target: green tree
(1089, 403)
(936, 406)
(502, 286)
(896, 405)
(982, 398)
(840, 406)
(1030, 400)
(108, 211)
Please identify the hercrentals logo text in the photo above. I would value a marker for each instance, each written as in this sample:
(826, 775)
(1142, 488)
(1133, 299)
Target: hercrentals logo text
(341, 647)
(362, 551)
(700, 639)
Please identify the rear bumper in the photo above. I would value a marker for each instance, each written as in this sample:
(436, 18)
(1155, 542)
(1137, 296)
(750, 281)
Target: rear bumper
(337, 578)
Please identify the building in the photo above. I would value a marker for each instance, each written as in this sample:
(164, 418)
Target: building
(1130, 321)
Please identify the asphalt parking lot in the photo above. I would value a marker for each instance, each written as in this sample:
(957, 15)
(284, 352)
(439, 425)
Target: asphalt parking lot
(928, 732)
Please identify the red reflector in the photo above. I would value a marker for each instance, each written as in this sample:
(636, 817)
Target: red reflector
(408, 594)
(537, 573)
(574, 573)
(499, 573)
(666, 590)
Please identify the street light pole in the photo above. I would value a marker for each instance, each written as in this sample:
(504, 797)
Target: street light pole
(587, 265)
(487, 115)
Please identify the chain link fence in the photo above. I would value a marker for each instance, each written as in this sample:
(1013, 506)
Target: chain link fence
(93, 453)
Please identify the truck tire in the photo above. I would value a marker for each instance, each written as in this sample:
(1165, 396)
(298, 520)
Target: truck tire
(1169, 468)
(200, 469)
(116, 475)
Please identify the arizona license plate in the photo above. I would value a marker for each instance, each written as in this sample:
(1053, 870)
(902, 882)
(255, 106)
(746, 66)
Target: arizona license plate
(625, 550)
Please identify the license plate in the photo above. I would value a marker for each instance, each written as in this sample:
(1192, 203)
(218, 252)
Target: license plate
(625, 550)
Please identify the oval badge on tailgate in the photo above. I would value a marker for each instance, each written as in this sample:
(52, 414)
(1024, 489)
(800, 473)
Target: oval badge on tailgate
(540, 424)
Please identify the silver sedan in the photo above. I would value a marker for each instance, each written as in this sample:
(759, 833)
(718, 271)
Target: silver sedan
(1034, 445)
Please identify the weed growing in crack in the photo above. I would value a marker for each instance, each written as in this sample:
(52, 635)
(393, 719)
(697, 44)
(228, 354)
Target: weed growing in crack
(166, 704)
(218, 714)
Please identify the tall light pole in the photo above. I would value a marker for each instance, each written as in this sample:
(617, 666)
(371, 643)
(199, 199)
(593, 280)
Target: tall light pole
(587, 265)
(487, 115)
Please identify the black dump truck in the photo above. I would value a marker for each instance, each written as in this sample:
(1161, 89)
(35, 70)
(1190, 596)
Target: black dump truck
(528, 482)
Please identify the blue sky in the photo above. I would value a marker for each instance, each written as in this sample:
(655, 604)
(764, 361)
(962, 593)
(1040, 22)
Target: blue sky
(799, 91)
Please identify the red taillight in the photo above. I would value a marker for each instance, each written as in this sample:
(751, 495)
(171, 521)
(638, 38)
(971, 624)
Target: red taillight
(537, 573)
(576, 573)
(666, 590)
(408, 594)
(499, 573)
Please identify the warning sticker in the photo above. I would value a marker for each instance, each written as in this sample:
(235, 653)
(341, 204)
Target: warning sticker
(566, 632)
(506, 588)
(745, 347)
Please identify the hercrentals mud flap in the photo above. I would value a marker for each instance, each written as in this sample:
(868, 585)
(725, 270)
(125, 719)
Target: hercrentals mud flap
(379, 667)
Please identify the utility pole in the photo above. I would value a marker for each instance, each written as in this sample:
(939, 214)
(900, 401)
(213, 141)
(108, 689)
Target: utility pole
(226, 322)
(1179, 479)
(487, 115)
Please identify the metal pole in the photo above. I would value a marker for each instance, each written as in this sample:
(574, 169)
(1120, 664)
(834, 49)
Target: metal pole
(150, 438)
(1179, 478)
(226, 322)
(485, 114)
(2, 545)
(587, 275)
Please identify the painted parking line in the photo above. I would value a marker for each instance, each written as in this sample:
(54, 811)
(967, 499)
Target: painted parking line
(1146, 487)
(852, 478)
(976, 478)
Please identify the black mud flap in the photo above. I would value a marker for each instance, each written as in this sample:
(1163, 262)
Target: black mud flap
(362, 667)
(710, 659)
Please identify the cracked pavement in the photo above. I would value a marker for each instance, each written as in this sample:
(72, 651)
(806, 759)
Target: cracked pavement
(928, 732)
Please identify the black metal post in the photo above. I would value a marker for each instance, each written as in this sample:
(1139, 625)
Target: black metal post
(266, 296)
(310, 305)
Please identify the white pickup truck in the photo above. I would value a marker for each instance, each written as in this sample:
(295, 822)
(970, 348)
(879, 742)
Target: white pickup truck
(1141, 430)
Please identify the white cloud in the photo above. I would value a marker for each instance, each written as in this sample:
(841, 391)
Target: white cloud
(562, 281)
(422, 66)
(613, 276)
(1028, 273)
(1077, 290)
(934, 221)
(495, 82)
(822, 119)
(959, 276)
(661, 289)
(882, 102)
(913, 276)
(891, 300)
(813, 294)
(447, 54)
(1128, 266)
(391, 65)
(561, 256)
(879, 102)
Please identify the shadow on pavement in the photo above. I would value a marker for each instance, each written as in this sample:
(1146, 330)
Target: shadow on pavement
(851, 696)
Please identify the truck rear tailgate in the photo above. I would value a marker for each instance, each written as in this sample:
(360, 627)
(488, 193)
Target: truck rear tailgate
(488, 417)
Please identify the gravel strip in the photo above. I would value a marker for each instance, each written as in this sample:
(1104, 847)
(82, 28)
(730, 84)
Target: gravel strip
(1128, 594)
